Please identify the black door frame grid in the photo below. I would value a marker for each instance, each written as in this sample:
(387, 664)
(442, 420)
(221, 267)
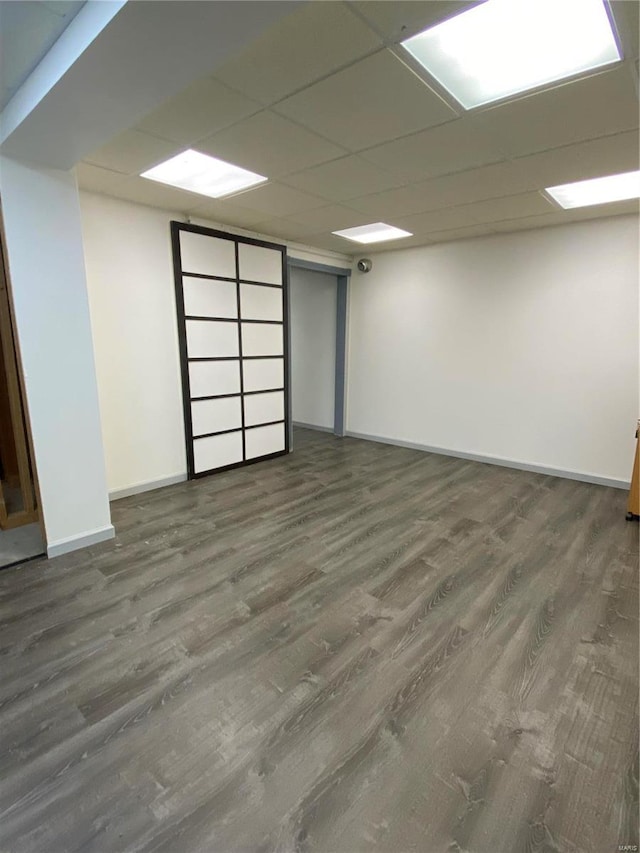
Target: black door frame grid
(178, 272)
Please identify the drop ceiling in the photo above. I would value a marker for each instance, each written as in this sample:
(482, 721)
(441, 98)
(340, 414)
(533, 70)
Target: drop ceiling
(348, 134)
(29, 30)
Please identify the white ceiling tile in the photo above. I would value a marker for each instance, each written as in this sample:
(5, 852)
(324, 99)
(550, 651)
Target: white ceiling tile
(62, 7)
(496, 181)
(433, 238)
(481, 212)
(143, 191)
(154, 194)
(607, 155)
(450, 147)
(396, 20)
(306, 45)
(333, 217)
(28, 31)
(285, 229)
(226, 212)
(270, 145)
(337, 244)
(344, 178)
(500, 179)
(526, 223)
(562, 217)
(603, 104)
(202, 109)
(406, 243)
(372, 101)
(460, 178)
(424, 223)
(133, 152)
(402, 201)
(626, 14)
(460, 233)
(509, 207)
(276, 200)
(98, 180)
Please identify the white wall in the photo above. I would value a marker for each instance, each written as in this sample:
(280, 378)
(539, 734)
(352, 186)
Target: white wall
(313, 297)
(131, 293)
(522, 347)
(44, 240)
(132, 300)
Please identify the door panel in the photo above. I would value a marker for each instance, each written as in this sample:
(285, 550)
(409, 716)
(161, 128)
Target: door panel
(231, 296)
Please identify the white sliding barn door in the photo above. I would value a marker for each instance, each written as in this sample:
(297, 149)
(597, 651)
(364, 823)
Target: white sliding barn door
(232, 326)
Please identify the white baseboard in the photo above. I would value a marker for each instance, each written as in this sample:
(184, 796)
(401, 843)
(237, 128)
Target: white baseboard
(83, 540)
(497, 460)
(147, 486)
(313, 426)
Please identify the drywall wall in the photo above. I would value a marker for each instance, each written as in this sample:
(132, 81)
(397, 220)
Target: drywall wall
(131, 293)
(522, 347)
(312, 297)
(44, 240)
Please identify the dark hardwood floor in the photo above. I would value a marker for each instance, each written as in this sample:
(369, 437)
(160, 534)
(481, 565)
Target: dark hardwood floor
(354, 648)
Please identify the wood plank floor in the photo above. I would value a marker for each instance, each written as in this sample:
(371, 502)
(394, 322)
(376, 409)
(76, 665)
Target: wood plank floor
(354, 648)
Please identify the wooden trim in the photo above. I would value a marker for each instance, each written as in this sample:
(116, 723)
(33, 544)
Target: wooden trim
(20, 518)
(4, 519)
(15, 390)
(633, 505)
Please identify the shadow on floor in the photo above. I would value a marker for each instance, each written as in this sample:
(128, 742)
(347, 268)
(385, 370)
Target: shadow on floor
(19, 544)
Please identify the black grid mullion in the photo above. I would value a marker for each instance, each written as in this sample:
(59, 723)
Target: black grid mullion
(266, 423)
(228, 279)
(179, 276)
(217, 432)
(232, 357)
(244, 443)
(236, 394)
(210, 277)
(260, 283)
(232, 320)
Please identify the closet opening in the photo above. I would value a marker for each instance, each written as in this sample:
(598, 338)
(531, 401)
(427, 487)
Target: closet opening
(318, 323)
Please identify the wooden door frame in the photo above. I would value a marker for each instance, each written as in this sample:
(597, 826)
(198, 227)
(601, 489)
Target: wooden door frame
(17, 403)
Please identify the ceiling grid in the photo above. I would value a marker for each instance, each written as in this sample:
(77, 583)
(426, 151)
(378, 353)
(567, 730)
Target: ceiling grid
(348, 134)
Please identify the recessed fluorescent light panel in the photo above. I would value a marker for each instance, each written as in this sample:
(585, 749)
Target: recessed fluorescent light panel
(200, 173)
(503, 47)
(377, 232)
(597, 190)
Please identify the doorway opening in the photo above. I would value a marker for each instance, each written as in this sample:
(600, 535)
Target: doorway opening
(20, 530)
(317, 349)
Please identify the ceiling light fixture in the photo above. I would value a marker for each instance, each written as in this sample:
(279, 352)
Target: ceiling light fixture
(501, 48)
(200, 173)
(377, 232)
(597, 190)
